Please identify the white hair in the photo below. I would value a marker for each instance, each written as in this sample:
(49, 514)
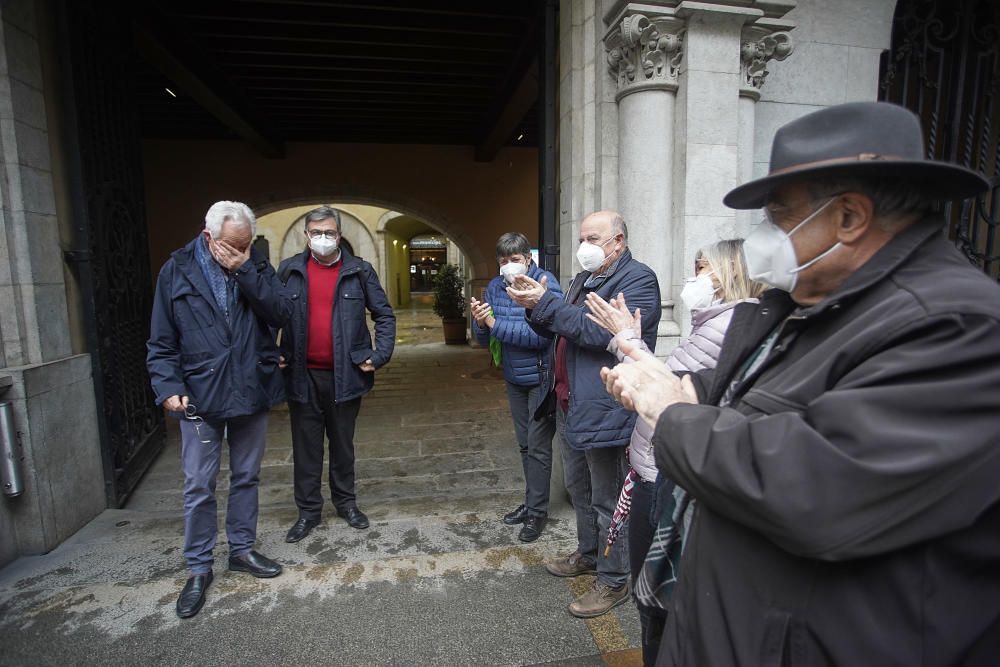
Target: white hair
(229, 210)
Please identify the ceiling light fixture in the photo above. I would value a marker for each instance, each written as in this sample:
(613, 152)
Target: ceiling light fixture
(520, 136)
(172, 94)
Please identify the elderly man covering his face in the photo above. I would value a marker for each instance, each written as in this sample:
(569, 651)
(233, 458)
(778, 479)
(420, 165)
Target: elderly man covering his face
(213, 363)
(844, 451)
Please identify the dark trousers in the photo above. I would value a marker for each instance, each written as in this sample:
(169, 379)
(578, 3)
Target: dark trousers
(594, 478)
(310, 422)
(201, 454)
(642, 520)
(534, 439)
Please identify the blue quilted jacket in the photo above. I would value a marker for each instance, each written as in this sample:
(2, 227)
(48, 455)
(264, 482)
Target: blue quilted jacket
(524, 352)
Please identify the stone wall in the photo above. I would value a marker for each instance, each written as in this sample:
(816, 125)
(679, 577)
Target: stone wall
(50, 388)
(666, 105)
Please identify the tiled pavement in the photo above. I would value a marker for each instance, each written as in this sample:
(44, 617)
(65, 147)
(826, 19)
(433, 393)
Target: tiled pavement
(437, 579)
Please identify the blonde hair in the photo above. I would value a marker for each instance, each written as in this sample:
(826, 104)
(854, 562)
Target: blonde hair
(730, 268)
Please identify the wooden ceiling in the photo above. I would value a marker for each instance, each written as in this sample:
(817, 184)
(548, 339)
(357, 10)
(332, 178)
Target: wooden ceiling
(387, 71)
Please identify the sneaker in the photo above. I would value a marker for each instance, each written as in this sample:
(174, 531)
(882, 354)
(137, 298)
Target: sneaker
(572, 565)
(599, 600)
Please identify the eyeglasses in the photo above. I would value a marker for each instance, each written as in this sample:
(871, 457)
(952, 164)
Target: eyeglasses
(319, 233)
(773, 211)
(191, 414)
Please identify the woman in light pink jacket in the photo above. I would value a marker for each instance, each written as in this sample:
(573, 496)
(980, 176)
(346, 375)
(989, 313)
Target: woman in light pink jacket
(720, 282)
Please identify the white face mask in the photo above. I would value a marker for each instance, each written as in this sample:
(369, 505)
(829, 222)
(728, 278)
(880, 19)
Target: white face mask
(591, 256)
(698, 292)
(771, 257)
(323, 246)
(512, 269)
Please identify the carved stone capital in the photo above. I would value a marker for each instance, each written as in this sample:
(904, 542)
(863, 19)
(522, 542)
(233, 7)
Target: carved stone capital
(645, 54)
(758, 47)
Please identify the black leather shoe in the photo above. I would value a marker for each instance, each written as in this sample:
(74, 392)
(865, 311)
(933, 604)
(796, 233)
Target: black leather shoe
(301, 529)
(355, 517)
(256, 564)
(532, 528)
(192, 596)
(516, 517)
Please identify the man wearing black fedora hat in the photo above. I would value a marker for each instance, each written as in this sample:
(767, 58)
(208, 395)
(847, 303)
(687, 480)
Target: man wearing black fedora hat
(845, 453)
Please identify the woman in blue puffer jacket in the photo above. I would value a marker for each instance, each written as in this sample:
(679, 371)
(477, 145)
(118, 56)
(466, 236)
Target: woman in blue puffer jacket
(720, 283)
(525, 357)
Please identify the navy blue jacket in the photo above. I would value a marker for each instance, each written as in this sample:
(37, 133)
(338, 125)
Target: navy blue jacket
(594, 418)
(527, 354)
(225, 369)
(357, 289)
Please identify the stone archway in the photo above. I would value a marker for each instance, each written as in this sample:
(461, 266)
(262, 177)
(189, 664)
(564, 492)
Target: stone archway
(270, 202)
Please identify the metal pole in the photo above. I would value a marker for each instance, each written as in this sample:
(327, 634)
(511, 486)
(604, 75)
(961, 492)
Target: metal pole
(10, 453)
(548, 221)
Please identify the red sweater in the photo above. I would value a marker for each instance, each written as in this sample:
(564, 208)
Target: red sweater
(322, 287)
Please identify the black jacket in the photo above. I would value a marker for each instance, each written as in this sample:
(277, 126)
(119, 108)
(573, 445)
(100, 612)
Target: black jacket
(849, 496)
(357, 289)
(594, 418)
(225, 369)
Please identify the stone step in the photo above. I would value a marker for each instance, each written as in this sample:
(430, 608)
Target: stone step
(368, 490)
(128, 547)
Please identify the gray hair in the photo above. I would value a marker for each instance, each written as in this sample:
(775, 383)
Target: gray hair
(618, 225)
(235, 211)
(895, 203)
(513, 243)
(323, 213)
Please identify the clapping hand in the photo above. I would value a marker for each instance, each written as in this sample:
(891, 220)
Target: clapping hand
(526, 291)
(645, 384)
(482, 313)
(613, 316)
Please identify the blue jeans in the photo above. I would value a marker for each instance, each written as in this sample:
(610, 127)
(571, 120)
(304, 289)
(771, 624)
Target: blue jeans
(594, 478)
(200, 461)
(534, 439)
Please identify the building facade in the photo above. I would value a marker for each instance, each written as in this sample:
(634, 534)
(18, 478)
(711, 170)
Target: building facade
(661, 108)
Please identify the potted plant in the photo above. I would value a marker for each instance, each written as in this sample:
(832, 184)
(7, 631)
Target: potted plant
(449, 303)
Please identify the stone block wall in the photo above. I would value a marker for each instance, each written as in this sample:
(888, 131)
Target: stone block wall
(51, 389)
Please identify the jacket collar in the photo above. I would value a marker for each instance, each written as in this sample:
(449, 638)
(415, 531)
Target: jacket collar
(886, 261)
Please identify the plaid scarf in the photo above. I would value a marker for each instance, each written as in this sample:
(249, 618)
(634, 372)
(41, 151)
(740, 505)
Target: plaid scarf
(218, 279)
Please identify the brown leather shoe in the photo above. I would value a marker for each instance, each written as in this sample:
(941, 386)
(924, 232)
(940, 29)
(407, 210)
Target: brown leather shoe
(599, 600)
(572, 565)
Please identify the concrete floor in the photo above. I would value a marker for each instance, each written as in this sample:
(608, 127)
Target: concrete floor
(437, 579)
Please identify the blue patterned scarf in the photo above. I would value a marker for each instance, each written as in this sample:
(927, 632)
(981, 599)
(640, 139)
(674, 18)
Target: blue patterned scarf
(218, 282)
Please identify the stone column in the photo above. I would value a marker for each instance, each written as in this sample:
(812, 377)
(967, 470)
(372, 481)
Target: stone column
(644, 55)
(763, 40)
(714, 126)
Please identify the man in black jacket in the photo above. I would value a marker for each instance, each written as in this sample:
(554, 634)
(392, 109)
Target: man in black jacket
(329, 363)
(844, 454)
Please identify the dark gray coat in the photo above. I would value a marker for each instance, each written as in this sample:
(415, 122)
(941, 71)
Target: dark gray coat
(594, 418)
(849, 498)
(226, 369)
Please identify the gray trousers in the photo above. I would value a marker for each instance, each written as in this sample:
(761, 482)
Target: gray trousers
(200, 461)
(534, 439)
(594, 478)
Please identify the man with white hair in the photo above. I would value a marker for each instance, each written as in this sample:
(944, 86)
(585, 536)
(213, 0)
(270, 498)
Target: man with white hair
(213, 363)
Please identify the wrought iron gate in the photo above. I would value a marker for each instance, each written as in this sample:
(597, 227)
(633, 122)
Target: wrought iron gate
(944, 64)
(110, 254)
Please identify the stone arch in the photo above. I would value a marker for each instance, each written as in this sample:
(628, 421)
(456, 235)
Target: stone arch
(270, 202)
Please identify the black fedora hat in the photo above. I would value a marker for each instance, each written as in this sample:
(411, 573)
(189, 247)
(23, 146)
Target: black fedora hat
(873, 140)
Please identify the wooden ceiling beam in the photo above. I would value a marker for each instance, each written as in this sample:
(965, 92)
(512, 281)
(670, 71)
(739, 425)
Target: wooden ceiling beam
(172, 54)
